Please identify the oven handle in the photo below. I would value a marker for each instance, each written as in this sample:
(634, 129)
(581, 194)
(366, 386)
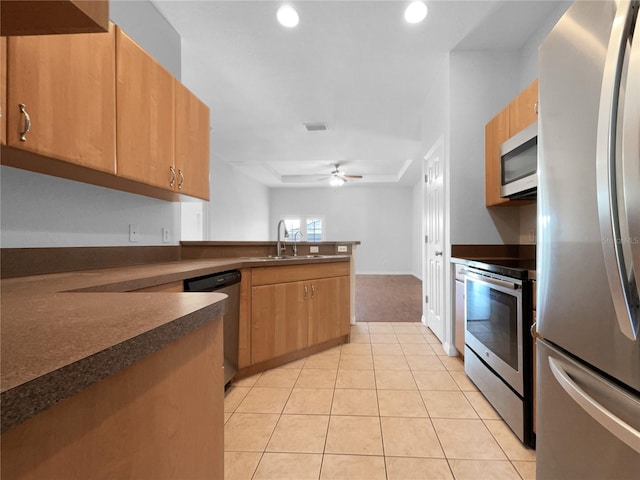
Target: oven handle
(493, 281)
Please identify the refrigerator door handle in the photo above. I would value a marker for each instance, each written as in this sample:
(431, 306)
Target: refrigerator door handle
(618, 427)
(619, 274)
(631, 152)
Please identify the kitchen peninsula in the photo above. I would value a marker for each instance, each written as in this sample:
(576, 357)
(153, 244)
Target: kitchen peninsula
(99, 368)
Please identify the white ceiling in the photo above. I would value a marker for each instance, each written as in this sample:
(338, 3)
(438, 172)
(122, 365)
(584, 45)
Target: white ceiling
(356, 65)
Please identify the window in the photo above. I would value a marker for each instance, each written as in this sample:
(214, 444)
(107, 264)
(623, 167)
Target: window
(314, 230)
(310, 228)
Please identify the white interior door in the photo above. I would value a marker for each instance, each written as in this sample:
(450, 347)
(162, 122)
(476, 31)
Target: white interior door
(434, 208)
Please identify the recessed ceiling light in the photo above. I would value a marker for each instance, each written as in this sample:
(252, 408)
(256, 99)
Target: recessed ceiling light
(415, 12)
(287, 16)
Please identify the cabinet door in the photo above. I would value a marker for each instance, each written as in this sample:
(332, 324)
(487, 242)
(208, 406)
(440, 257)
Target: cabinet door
(66, 83)
(523, 109)
(145, 116)
(278, 320)
(192, 144)
(328, 309)
(496, 133)
(3, 91)
(459, 318)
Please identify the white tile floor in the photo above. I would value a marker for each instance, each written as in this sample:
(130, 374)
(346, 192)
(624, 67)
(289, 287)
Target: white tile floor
(389, 405)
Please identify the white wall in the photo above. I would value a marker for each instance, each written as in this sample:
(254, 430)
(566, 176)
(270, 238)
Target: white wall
(528, 68)
(239, 206)
(481, 84)
(143, 22)
(417, 201)
(380, 217)
(38, 210)
(42, 211)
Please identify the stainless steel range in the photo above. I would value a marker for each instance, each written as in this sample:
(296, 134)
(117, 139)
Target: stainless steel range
(498, 345)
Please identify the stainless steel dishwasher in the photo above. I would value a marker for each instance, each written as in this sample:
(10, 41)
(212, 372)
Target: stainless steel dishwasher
(228, 283)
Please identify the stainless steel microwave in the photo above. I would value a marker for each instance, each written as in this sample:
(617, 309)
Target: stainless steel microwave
(519, 164)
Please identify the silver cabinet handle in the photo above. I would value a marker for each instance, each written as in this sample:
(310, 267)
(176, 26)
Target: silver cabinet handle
(609, 208)
(27, 123)
(181, 181)
(306, 291)
(438, 253)
(618, 427)
(535, 108)
(313, 290)
(532, 330)
(172, 182)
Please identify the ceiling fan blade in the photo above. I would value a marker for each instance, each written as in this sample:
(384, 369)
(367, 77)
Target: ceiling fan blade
(323, 178)
(352, 176)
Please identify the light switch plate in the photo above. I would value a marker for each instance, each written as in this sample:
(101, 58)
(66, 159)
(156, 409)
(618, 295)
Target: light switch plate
(165, 235)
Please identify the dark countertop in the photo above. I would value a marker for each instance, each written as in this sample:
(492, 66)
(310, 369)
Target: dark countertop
(63, 332)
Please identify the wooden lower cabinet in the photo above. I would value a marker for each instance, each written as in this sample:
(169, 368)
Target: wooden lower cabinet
(294, 307)
(160, 418)
(328, 309)
(279, 322)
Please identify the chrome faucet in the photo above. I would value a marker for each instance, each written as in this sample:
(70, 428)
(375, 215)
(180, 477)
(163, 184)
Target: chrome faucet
(295, 245)
(286, 235)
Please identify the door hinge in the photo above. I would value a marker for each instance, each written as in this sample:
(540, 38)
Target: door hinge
(426, 299)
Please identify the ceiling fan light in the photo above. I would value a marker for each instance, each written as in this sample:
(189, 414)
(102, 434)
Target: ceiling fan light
(287, 16)
(415, 12)
(336, 181)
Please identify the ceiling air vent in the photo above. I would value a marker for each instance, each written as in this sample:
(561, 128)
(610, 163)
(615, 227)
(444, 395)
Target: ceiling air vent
(315, 127)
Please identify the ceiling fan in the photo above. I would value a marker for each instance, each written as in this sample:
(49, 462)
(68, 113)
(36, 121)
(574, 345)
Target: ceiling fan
(338, 178)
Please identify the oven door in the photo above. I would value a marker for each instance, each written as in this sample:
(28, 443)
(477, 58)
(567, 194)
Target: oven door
(493, 324)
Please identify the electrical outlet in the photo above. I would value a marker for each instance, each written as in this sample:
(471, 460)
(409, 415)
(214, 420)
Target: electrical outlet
(133, 232)
(532, 235)
(342, 249)
(165, 235)
(313, 249)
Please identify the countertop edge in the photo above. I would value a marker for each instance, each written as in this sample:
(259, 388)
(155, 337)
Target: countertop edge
(28, 399)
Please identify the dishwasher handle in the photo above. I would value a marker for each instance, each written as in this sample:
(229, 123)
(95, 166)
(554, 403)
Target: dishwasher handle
(211, 283)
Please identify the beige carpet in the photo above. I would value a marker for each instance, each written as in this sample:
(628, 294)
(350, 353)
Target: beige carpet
(388, 298)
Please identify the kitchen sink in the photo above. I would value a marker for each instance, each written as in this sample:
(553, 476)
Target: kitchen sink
(284, 257)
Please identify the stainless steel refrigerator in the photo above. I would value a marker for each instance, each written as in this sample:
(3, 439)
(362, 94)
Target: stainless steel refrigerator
(588, 254)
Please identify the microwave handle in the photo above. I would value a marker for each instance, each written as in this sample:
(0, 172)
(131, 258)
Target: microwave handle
(493, 281)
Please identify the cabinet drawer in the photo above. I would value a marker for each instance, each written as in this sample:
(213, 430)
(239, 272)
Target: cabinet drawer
(296, 273)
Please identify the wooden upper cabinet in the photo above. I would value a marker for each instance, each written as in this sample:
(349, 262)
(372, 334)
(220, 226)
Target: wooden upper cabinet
(3, 91)
(46, 17)
(145, 116)
(191, 144)
(66, 84)
(496, 132)
(523, 110)
(520, 113)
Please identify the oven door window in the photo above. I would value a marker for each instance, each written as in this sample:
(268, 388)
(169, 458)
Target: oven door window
(492, 317)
